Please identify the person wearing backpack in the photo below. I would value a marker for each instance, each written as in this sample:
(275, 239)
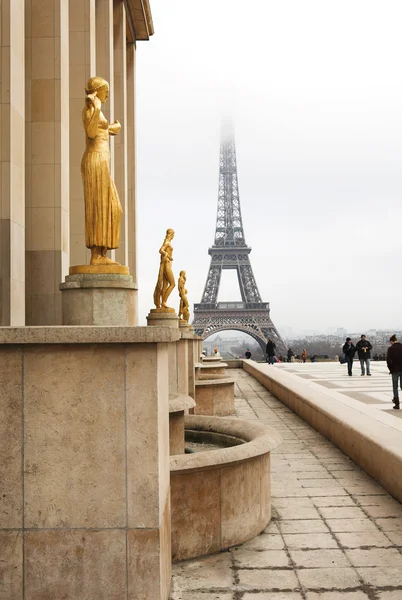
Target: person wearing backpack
(349, 351)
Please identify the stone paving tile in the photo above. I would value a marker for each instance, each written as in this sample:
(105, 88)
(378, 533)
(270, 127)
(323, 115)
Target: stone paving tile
(375, 557)
(273, 596)
(337, 596)
(328, 579)
(268, 579)
(363, 539)
(335, 534)
(300, 541)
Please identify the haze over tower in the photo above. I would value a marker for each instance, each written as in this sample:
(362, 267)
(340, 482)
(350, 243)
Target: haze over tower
(230, 251)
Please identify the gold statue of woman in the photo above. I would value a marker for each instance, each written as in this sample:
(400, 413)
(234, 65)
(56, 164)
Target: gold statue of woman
(165, 283)
(184, 312)
(103, 210)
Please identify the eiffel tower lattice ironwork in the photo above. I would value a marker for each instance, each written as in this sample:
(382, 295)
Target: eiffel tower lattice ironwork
(230, 251)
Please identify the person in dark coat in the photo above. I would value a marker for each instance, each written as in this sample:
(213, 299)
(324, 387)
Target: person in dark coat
(290, 354)
(364, 348)
(247, 354)
(394, 362)
(349, 351)
(270, 350)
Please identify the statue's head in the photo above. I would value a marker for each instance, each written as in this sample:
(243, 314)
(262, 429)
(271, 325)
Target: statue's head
(98, 85)
(182, 273)
(170, 234)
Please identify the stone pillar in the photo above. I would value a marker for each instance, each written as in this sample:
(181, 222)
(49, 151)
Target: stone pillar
(131, 164)
(82, 67)
(47, 164)
(85, 413)
(12, 173)
(120, 109)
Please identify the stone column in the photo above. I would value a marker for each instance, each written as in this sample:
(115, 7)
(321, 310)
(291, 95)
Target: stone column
(47, 183)
(82, 67)
(120, 109)
(12, 173)
(131, 164)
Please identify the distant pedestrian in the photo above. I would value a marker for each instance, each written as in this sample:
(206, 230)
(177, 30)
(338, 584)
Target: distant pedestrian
(349, 351)
(394, 362)
(247, 354)
(290, 355)
(364, 348)
(270, 350)
(303, 355)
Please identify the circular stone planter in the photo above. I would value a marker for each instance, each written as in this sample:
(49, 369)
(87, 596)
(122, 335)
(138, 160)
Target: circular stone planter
(221, 498)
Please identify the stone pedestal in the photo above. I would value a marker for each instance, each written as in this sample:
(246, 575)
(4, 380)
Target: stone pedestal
(162, 317)
(99, 298)
(84, 469)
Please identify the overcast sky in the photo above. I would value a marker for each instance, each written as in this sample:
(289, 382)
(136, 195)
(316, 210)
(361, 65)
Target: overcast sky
(315, 91)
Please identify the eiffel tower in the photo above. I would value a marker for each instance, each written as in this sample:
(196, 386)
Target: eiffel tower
(230, 251)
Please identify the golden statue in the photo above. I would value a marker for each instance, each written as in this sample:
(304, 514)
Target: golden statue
(165, 283)
(184, 312)
(103, 210)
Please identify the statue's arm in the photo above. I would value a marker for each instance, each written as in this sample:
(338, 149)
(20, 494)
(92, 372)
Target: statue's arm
(91, 121)
(163, 252)
(114, 128)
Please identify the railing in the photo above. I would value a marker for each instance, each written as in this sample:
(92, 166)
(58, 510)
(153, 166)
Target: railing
(232, 306)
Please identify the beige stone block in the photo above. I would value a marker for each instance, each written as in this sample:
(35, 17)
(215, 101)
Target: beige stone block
(77, 216)
(43, 100)
(84, 565)
(43, 143)
(43, 58)
(176, 433)
(195, 500)
(74, 436)
(10, 438)
(17, 303)
(240, 502)
(43, 186)
(42, 22)
(42, 310)
(11, 587)
(17, 237)
(43, 229)
(42, 264)
(148, 434)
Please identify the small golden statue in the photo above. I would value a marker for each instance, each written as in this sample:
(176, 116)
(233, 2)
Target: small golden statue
(165, 283)
(184, 312)
(103, 210)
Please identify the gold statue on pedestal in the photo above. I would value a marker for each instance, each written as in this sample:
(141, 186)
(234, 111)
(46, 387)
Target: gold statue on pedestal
(103, 210)
(165, 283)
(184, 312)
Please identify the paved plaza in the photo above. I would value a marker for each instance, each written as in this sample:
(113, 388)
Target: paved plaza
(370, 394)
(335, 533)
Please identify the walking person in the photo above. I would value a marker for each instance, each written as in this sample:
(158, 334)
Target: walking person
(303, 355)
(349, 351)
(290, 354)
(394, 362)
(364, 348)
(270, 350)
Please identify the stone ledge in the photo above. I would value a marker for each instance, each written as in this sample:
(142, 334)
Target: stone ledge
(209, 382)
(87, 335)
(375, 445)
(179, 402)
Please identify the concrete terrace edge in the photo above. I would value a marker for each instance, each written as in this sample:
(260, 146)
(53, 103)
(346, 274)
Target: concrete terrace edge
(87, 335)
(374, 445)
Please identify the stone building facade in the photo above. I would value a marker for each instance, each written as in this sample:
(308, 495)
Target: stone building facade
(49, 49)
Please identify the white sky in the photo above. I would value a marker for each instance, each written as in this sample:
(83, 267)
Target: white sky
(315, 91)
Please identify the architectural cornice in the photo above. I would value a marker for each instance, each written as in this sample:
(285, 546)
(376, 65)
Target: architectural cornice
(139, 15)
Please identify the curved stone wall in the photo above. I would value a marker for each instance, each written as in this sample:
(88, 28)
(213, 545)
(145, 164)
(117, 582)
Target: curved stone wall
(221, 498)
